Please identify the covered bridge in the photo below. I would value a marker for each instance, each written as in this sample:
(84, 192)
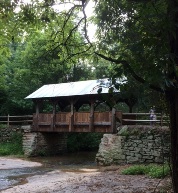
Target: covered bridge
(67, 99)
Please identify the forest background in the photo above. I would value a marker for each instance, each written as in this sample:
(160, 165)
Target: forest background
(136, 39)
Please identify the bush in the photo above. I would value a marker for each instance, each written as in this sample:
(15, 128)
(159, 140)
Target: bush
(135, 170)
(83, 141)
(3, 126)
(13, 146)
(152, 170)
(159, 171)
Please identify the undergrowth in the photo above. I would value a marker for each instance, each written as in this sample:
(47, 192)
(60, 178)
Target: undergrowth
(151, 170)
(13, 146)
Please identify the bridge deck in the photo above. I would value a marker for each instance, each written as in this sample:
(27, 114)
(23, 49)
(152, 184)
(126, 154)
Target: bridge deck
(102, 122)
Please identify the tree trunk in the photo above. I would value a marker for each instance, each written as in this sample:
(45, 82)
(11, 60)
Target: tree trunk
(172, 94)
(172, 97)
(130, 105)
(130, 108)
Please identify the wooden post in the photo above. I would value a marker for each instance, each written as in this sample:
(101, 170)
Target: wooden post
(71, 124)
(161, 120)
(53, 118)
(36, 115)
(118, 118)
(113, 120)
(91, 123)
(8, 117)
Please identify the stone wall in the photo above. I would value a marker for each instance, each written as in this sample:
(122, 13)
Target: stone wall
(135, 144)
(6, 132)
(36, 143)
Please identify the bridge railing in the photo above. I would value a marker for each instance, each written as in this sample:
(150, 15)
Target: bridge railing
(144, 119)
(16, 120)
(127, 119)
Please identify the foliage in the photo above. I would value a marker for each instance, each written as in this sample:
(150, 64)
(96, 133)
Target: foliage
(135, 170)
(152, 170)
(43, 51)
(42, 152)
(159, 171)
(3, 126)
(101, 68)
(83, 141)
(13, 146)
(126, 34)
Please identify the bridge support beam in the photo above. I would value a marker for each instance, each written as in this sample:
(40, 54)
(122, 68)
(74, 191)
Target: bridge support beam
(37, 143)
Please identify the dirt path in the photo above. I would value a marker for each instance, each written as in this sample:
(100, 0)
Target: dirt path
(85, 181)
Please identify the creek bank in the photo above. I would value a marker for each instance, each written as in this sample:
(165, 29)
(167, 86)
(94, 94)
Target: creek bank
(102, 180)
(97, 182)
(96, 179)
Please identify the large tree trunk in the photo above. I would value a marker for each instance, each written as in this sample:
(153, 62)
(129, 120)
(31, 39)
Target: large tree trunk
(172, 97)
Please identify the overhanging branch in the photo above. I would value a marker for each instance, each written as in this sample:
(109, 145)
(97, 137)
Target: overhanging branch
(127, 66)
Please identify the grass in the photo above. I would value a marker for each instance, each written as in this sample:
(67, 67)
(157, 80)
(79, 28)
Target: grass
(151, 170)
(13, 146)
(3, 126)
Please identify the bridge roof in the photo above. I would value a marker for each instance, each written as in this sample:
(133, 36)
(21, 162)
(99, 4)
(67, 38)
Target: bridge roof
(88, 87)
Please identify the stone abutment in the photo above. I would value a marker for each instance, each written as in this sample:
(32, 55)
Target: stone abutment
(37, 143)
(135, 144)
(132, 144)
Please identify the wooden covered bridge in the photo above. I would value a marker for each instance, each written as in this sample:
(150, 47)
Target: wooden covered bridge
(58, 107)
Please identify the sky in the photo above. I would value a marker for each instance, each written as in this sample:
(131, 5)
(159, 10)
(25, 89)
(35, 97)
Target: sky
(88, 10)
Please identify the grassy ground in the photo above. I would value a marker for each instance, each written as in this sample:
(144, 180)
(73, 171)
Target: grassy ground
(13, 146)
(151, 170)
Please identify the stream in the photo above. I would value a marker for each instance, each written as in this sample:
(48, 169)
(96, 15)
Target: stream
(73, 162)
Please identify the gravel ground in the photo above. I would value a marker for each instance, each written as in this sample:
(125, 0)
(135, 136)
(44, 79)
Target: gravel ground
(108, 180)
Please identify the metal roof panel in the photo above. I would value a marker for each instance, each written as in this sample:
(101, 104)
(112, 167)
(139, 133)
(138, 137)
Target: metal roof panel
(71, 89)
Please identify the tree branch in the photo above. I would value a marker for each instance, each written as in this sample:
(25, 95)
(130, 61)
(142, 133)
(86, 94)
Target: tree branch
(127, 66)
(85, 21)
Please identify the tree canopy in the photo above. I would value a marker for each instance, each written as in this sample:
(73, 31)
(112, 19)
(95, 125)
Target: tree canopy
(136, 36)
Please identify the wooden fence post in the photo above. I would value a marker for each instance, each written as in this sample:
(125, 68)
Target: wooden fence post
(161, 120)
(113, 120)
(71, 121)
(8, 119)
(91, 122)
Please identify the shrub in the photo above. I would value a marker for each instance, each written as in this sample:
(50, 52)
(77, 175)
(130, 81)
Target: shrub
(13, 146)
(135, 170)
(159, 171)
(3, 126)
(83, 141)
(152, 170)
